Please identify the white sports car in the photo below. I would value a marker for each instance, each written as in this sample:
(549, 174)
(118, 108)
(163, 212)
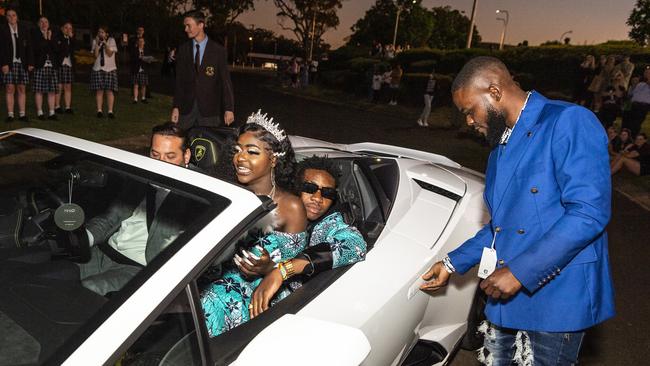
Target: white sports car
(412, 207)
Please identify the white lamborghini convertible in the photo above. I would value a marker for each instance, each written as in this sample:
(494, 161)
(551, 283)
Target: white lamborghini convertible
(412, 207)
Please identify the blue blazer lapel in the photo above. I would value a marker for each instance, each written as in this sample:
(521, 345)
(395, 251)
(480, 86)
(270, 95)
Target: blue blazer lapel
(507, 162)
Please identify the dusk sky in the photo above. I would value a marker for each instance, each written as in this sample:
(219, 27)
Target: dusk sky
(592, 21)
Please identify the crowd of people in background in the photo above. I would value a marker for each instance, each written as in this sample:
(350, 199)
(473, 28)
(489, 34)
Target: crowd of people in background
(42, 58)
(387, 51)
(297, 73)
(612, 90)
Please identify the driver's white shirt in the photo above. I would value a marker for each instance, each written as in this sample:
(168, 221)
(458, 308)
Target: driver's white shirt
(131, 239)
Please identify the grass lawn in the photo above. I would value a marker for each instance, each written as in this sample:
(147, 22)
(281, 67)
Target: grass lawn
(131, 120)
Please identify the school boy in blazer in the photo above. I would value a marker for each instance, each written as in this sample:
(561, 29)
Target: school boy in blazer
(203, 94)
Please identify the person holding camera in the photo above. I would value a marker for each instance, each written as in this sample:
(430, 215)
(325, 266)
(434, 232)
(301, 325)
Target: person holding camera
(103, 77)
(46, 81)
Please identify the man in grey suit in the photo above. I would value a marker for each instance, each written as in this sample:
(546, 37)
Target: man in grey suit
(139, 225)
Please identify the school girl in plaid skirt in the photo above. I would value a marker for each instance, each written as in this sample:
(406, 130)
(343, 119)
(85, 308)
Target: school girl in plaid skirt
(139, 65)
(103, 77)
(65, 49)
(16, 60)
(45, 75)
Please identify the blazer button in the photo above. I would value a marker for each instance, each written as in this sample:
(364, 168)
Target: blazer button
(501, 262)
(497, 229)
(534, 190)
(521, 231)
(557, 271)
(529, 134)
(539, 283)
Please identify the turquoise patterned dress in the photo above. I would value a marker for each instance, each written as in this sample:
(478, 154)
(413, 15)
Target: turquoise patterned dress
(332, 244)
(225, 301)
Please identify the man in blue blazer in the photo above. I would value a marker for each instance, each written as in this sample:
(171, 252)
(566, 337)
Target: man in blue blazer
(548, 191)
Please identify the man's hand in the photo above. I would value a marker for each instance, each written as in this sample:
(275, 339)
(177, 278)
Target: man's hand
(265, 292)
(30, 68)
(175, 114)
(5, 69)
(501, 284)
(252, 267)
(228, 118)
(440, 278)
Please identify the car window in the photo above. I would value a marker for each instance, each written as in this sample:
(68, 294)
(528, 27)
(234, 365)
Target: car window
(171, 339)
(47, 245)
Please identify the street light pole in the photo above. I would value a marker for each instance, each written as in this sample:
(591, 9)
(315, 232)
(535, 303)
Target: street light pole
(399, 11)
(505, 27)
(250, 38)
(470, 33)
(313, 32)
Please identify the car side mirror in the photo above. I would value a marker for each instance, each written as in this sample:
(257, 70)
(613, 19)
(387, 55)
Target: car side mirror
(313, 341)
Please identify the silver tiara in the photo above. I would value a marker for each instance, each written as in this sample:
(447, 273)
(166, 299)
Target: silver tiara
(273, 128)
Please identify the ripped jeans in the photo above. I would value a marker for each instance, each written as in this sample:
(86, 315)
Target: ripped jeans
(505, 347)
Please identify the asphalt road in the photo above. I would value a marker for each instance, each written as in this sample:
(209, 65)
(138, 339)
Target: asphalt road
(623, 340)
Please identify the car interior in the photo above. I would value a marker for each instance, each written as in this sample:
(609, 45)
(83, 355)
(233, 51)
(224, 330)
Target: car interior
(43, 304)
(367, 189)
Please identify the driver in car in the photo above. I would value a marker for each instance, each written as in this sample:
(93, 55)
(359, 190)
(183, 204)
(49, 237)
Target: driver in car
(138, 226)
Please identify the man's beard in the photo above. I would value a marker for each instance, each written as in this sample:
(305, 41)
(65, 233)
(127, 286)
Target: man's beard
(496, 123)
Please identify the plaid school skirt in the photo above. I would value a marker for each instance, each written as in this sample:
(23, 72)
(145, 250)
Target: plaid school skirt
(17, 75)
(45, 80)
(141, 78)
(103, 80)
(65, 75)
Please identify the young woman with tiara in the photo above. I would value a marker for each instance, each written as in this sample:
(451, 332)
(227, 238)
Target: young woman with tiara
(264, 162)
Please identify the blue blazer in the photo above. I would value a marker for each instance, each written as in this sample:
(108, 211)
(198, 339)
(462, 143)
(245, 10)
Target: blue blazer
(548, 191)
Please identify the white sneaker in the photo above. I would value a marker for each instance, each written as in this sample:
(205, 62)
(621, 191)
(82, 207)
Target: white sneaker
(419, 122)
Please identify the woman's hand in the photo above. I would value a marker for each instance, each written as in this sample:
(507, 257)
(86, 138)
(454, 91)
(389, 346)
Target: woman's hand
(265, 292)
(253, 266)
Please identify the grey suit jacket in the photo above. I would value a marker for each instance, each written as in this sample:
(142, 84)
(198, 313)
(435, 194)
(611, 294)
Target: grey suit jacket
(166, 223)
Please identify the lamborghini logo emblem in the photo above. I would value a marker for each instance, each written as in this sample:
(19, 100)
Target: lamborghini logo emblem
(199, 152)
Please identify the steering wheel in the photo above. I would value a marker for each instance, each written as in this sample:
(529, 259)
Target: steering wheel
(74, 243)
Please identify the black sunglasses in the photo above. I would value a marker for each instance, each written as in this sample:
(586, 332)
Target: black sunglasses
(326, 192)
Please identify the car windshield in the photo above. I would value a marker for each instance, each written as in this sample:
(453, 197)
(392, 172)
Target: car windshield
(79, 233)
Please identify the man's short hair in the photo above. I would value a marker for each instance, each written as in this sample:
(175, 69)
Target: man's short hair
(171, 129)
(318, 163)
(473, 68)
(197, 15)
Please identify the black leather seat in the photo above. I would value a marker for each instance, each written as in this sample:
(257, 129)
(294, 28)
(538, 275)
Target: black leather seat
(207, 145)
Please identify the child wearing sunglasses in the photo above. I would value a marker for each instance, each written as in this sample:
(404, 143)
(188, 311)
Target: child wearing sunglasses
(332, 243)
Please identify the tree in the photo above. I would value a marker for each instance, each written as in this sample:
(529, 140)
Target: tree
(451, 27)
(304, 15)
(223, 13)
(639, 20)
(441, 27)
